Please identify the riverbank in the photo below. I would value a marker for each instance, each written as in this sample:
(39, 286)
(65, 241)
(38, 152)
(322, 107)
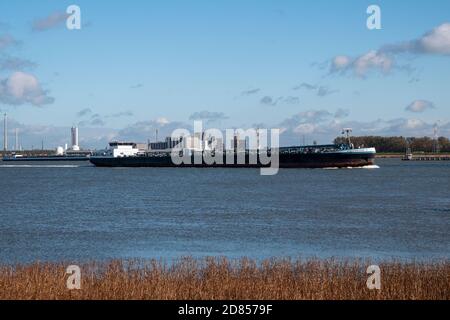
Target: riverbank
(227, 279)
(402, 155)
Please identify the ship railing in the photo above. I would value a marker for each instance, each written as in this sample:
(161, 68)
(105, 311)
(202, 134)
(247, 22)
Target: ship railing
(283, 150)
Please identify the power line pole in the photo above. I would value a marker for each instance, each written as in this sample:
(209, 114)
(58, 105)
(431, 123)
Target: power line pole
(16, 145)
(436, 147)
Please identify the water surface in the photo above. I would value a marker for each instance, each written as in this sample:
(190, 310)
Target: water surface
(79, 212)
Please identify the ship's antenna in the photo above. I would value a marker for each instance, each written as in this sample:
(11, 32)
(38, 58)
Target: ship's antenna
(347, 132)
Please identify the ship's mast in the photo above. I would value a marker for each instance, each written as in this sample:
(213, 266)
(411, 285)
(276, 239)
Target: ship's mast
(347, 132)
(258, 147)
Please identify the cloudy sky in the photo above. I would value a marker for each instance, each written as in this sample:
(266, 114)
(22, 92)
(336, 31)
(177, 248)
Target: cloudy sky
(306, 67)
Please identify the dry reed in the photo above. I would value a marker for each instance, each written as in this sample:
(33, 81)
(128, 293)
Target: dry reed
(221, 278)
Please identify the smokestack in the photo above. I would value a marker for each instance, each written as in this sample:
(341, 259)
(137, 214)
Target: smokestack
(74, 136)
(75, 145)
(5, 132)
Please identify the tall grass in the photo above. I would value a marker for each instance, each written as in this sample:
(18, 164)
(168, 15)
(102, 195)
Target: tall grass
(221, 278)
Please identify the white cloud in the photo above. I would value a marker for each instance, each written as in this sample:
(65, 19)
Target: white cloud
(144, 130)
(309, 127)
(437, 41)
(305, 128)
(33, 135)
(414, 124)
(362, 65)
(307, 121)
(162, 121)
(372, 60)
(323, 126)
(54, 20)
(98, 120)
(208, 116)
(22, 88)
(315, 115)
(419, 106)
(340, 63)
(325, 132)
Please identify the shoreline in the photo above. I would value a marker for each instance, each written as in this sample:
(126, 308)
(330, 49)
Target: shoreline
(227, 279)
(402, 155)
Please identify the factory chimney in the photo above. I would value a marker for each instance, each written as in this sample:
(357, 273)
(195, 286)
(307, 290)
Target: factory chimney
(75, 145)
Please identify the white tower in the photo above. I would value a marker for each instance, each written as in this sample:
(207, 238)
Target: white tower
(75, 145)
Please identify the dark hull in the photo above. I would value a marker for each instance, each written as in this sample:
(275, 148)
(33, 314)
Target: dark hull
(46, 159)
(319, 160)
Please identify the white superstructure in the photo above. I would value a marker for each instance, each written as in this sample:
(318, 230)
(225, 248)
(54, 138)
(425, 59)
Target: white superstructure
(122, 149)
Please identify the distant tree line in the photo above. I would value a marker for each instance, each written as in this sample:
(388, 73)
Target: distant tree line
(399, 144)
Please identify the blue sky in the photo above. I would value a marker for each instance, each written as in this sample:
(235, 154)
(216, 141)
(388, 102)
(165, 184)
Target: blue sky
(138, 65)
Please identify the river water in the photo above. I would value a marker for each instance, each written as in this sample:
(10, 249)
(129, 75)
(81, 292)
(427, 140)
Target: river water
(78, 212)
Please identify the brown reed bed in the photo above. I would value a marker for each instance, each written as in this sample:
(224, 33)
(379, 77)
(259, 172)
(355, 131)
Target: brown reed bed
(221, 278)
